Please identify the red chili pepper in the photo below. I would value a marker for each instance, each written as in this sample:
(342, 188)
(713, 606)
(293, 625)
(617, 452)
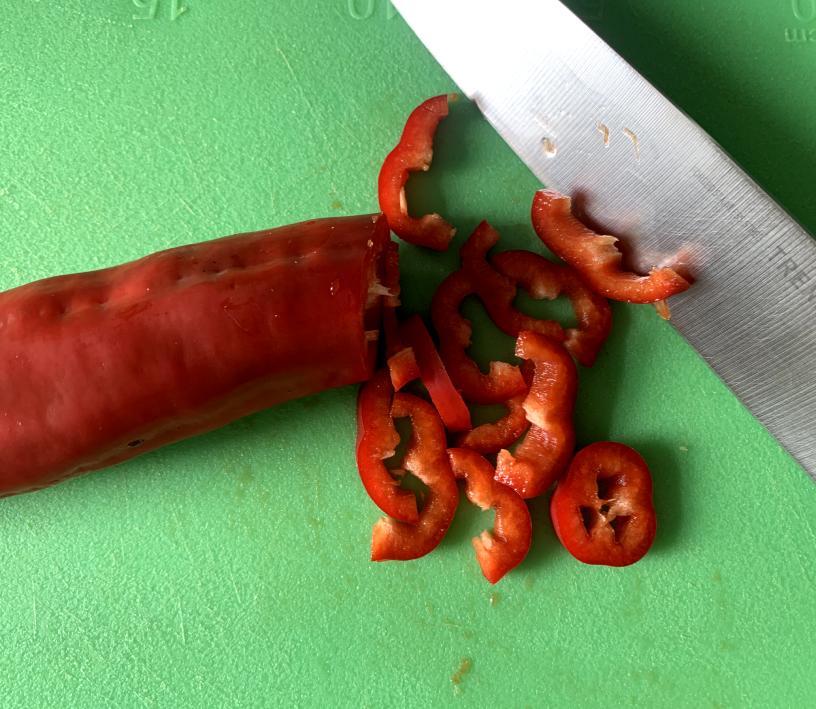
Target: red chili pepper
(414, 152)
(546, 449)
(595, 256)
(446, 398)
(100, 367)
(543, 279)
(602, 509)
(427, 459)
(505, 548)
(377, 440)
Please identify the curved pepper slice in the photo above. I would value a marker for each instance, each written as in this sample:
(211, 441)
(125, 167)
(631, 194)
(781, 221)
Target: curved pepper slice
(602, 509)
(377, 439)
(443, 393)
(489, 438)
(414, 152)
(544, 279)
(546, 449)
(505, 548)
(503, 381)
(595, 256)
(427, 459)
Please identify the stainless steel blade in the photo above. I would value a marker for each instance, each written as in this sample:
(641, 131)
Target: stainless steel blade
(587, 123)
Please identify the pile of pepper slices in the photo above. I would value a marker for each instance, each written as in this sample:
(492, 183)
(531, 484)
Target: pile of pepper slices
(602, 507)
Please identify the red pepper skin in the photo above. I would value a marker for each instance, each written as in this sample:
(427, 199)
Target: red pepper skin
(545, 451)
(490, 438)
(505, 548)
(544, 279)
(595, 256)
(100, 367)
(426, 458)
(377, 439)
(602, 509)
(403, 368)
(414, 152)
(448, 401)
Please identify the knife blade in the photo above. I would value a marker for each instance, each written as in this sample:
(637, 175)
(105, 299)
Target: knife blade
(585, 122)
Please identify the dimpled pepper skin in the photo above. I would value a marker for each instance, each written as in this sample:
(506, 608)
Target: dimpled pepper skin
(100, 367)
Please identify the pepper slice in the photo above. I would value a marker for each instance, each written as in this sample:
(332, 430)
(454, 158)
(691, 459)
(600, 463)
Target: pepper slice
(546, 449)
(595, 256)
(505, 548)
(377, 439)
(426, 458)
(443, 393)
(544, 279)
(414, 152)
(503, 381)
(489, 438)
(602, 509)
(403, 368)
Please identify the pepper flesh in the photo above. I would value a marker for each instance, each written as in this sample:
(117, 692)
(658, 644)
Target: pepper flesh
(505, 548)
(448, 401)
(377, 440)
(490, 438)
(426, 458)
(544, 279)
(595, 256)
(602, 509)
(546, 449)
(100, 367)
(414, 152)
(403, 368)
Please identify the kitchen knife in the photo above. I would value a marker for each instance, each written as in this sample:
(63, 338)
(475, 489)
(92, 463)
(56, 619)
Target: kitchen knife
(586, 123)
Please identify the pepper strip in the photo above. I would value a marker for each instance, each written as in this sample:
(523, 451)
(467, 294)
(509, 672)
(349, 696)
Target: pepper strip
(602, 509)
(414, 152)
(377, 439)
(544, 279)
(595, 256)
(426, 458)
(506, 546)
(403, 368)
(443, 393)
(489, 438)
(503, 381)
(546, 449)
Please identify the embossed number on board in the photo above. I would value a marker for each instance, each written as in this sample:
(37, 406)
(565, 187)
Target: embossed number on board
(150, 9)
(804, 10)
(366, 9)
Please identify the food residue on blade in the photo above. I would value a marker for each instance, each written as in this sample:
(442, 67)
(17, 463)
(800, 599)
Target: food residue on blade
(603, 129)
(549, 147)
(633, 137)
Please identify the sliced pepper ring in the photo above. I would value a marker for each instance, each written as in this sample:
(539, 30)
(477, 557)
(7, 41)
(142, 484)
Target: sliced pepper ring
(490, 438)
(595, 256)
(545, 451)
(377, 440)
(602, 509)
(503, 381)
(544, 279)
(414, 152)
(426, 458)
(506, 546)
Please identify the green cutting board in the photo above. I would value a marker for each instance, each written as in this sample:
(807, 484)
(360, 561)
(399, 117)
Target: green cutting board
(232, 570)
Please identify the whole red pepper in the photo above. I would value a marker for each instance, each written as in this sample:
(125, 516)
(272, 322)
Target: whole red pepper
(595, 256)
(426, 458)
(602, 509)
(505, 548)
(544, 453)
(100, 367)
(414, 152)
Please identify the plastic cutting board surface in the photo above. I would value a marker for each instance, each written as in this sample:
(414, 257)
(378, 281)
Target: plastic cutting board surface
(231, 570)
